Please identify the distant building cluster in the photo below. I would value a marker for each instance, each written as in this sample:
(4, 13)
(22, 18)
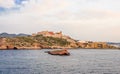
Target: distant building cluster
(49, 34)
(54, 34)
(74, 43)
(90, 44)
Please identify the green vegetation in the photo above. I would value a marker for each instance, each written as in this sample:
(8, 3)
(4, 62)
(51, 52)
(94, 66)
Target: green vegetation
(38, 39)
(51, 41)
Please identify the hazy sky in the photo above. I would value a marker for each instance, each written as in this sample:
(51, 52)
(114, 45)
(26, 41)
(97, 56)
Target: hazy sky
(97, 20)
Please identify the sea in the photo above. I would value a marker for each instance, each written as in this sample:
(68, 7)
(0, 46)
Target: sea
(80, 61)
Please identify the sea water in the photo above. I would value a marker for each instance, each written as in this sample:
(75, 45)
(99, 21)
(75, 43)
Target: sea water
(81, 61)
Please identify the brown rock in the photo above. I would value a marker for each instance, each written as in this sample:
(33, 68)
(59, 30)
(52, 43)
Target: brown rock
(59, 52)
(15, 48)
(9, 47)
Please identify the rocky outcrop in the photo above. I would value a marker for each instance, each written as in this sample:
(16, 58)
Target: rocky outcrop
(59, 52)
(15, 48)
(11, 47)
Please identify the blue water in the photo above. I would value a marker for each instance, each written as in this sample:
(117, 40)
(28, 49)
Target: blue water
(81, 61)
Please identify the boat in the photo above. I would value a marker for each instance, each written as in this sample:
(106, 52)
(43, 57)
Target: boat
(59, 52)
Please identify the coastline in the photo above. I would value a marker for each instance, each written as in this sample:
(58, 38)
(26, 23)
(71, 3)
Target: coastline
(32, 48)
(49, 40)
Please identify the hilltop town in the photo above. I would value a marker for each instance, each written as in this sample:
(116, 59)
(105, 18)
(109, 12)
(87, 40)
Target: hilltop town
(50, 40)
(74, 43)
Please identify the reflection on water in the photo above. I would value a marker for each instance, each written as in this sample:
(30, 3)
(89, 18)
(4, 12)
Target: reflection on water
(79, 62)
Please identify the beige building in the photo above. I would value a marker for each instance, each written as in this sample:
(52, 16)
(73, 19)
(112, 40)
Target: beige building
(87, 44)
(49, 34)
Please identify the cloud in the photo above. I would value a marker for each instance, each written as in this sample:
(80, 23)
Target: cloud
(81, 19)
(8, 6)
(7, 3)
(19, 2)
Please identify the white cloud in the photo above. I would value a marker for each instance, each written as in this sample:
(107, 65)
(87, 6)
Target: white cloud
(7, 3)
(81, 21)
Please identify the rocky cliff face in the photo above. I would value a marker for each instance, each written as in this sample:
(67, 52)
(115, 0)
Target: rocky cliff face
(36, 42)
(39, 41)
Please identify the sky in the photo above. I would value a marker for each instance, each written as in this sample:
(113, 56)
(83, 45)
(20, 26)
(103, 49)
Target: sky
(90, 20)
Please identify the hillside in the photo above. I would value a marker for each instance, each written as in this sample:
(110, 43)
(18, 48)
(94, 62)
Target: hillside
(46, 39)
(37, 41)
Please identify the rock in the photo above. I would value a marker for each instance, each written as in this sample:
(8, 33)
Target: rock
(15, 48)
(11, 47)
(7, 47)
(59, 52)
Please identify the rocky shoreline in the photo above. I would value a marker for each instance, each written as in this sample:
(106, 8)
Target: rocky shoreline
(49, 40)
(32, 48)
